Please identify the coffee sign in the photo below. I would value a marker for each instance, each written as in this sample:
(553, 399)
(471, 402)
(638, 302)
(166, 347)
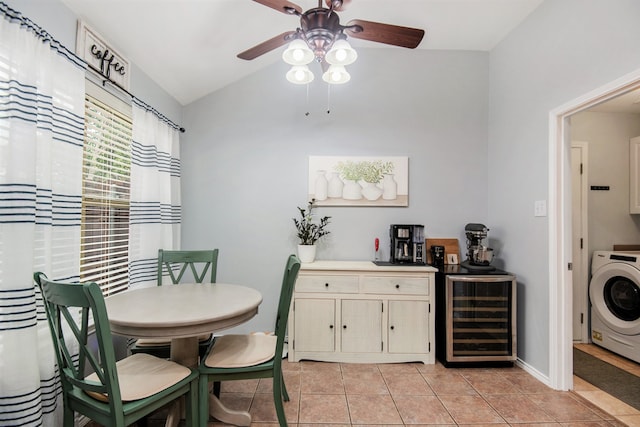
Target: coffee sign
(101, 57)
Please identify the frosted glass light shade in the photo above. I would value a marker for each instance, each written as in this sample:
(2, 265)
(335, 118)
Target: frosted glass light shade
(300, 75)
(336, 75)
(297, 53)
(341, 53)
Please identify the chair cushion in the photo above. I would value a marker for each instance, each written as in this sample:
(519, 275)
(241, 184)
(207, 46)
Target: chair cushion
(236, 351)
(142, 375)
(156, 342)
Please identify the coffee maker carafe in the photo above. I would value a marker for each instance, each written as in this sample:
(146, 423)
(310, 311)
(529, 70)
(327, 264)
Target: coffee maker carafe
(478, 254)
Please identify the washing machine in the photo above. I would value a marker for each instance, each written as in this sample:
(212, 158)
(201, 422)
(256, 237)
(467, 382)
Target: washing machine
(614, 292)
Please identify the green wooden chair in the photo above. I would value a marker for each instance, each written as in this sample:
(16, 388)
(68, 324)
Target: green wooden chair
(241, 357)
(186, 266)
(199, 263)
(116, 393)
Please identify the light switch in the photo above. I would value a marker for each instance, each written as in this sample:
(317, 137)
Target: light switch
(540, 208)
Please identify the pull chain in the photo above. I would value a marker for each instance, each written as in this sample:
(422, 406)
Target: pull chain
(328, 99)
(307, 113)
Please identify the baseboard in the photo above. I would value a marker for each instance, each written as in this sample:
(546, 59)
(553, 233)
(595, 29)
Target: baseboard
(534, 372)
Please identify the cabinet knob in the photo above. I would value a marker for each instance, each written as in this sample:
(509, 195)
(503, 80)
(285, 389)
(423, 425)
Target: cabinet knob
(392, 327)
(344, 326)
(330, 326)
(397, 286)
(326, 285)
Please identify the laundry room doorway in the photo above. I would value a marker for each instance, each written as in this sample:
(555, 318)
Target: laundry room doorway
(560, 232)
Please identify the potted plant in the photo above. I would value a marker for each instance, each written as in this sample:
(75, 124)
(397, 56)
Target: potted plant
(309, 232)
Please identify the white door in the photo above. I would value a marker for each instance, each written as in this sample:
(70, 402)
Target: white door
(580, 250)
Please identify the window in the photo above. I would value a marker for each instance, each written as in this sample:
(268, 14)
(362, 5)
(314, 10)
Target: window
(105, 192)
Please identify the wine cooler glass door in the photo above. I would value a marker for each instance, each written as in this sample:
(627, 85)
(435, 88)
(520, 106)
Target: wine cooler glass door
(481, 317)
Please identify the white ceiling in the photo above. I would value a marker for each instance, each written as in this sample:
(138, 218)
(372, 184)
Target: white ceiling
(189, 47)
(626, 103)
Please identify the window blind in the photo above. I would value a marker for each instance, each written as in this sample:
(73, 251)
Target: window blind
(105, 197)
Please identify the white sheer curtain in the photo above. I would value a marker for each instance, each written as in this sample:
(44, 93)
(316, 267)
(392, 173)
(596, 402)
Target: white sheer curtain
(41, 137)
(155, 214)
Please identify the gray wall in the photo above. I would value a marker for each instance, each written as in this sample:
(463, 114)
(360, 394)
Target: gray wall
(245, 158)
(564, 49)
(607, 136)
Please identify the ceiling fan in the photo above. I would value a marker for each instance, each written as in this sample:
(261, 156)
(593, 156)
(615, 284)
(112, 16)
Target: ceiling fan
(320, 29)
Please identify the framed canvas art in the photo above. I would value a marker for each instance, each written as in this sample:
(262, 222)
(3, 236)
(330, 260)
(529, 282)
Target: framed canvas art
(359, 181)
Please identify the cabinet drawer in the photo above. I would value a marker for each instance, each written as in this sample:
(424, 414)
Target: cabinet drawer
(328, 283)
(395, 285)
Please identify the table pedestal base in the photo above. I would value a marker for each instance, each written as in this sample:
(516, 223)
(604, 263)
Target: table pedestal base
(221, 413)
(185, 352)
(174, 414)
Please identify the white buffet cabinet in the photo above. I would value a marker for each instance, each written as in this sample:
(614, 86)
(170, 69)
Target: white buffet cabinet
(359, 312)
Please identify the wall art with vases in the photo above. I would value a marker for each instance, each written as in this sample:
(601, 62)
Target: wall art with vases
(359, 180)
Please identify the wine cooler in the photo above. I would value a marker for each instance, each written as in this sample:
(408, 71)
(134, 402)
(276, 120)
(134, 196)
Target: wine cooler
(478, 325)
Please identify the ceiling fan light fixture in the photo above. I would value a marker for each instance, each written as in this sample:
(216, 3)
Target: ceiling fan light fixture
(336, 75)
(300, 75)
(297, 53)
(341, 53)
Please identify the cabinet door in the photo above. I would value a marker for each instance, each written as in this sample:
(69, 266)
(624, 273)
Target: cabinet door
(408, 327)
(314, 320)
(361, 328)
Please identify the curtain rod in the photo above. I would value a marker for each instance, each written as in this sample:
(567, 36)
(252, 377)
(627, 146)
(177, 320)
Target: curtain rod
(136, 99)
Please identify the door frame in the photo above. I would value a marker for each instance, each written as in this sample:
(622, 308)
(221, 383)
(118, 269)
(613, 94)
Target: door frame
(559, 232)
(584, 234)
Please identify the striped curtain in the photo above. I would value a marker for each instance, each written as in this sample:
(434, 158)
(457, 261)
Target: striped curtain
(41, 137)
(155, 213)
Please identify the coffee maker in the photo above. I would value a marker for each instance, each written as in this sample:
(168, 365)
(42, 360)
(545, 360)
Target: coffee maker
(407, 244)
(479, 256)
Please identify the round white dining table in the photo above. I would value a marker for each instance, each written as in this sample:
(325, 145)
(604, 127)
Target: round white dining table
(182, 313)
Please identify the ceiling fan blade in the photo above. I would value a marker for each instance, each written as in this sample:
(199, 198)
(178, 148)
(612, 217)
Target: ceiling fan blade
(385, 33)
(266, 46)
(281, 5)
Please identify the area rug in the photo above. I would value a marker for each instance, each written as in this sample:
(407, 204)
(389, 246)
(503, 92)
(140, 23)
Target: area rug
(617, 382)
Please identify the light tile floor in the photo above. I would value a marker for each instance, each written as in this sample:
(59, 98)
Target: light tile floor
(341, 395)
(367, 395)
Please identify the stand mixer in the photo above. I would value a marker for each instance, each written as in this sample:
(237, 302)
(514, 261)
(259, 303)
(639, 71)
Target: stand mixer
(479, 256)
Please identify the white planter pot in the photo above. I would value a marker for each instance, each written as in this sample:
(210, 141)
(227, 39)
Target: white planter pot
(307, 253)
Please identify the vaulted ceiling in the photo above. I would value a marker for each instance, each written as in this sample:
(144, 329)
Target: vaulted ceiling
(189, 47)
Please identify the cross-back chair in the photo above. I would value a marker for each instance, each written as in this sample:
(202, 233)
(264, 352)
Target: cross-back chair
(198, 263)
(241, 357)
(199, 266)
(116, 393)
